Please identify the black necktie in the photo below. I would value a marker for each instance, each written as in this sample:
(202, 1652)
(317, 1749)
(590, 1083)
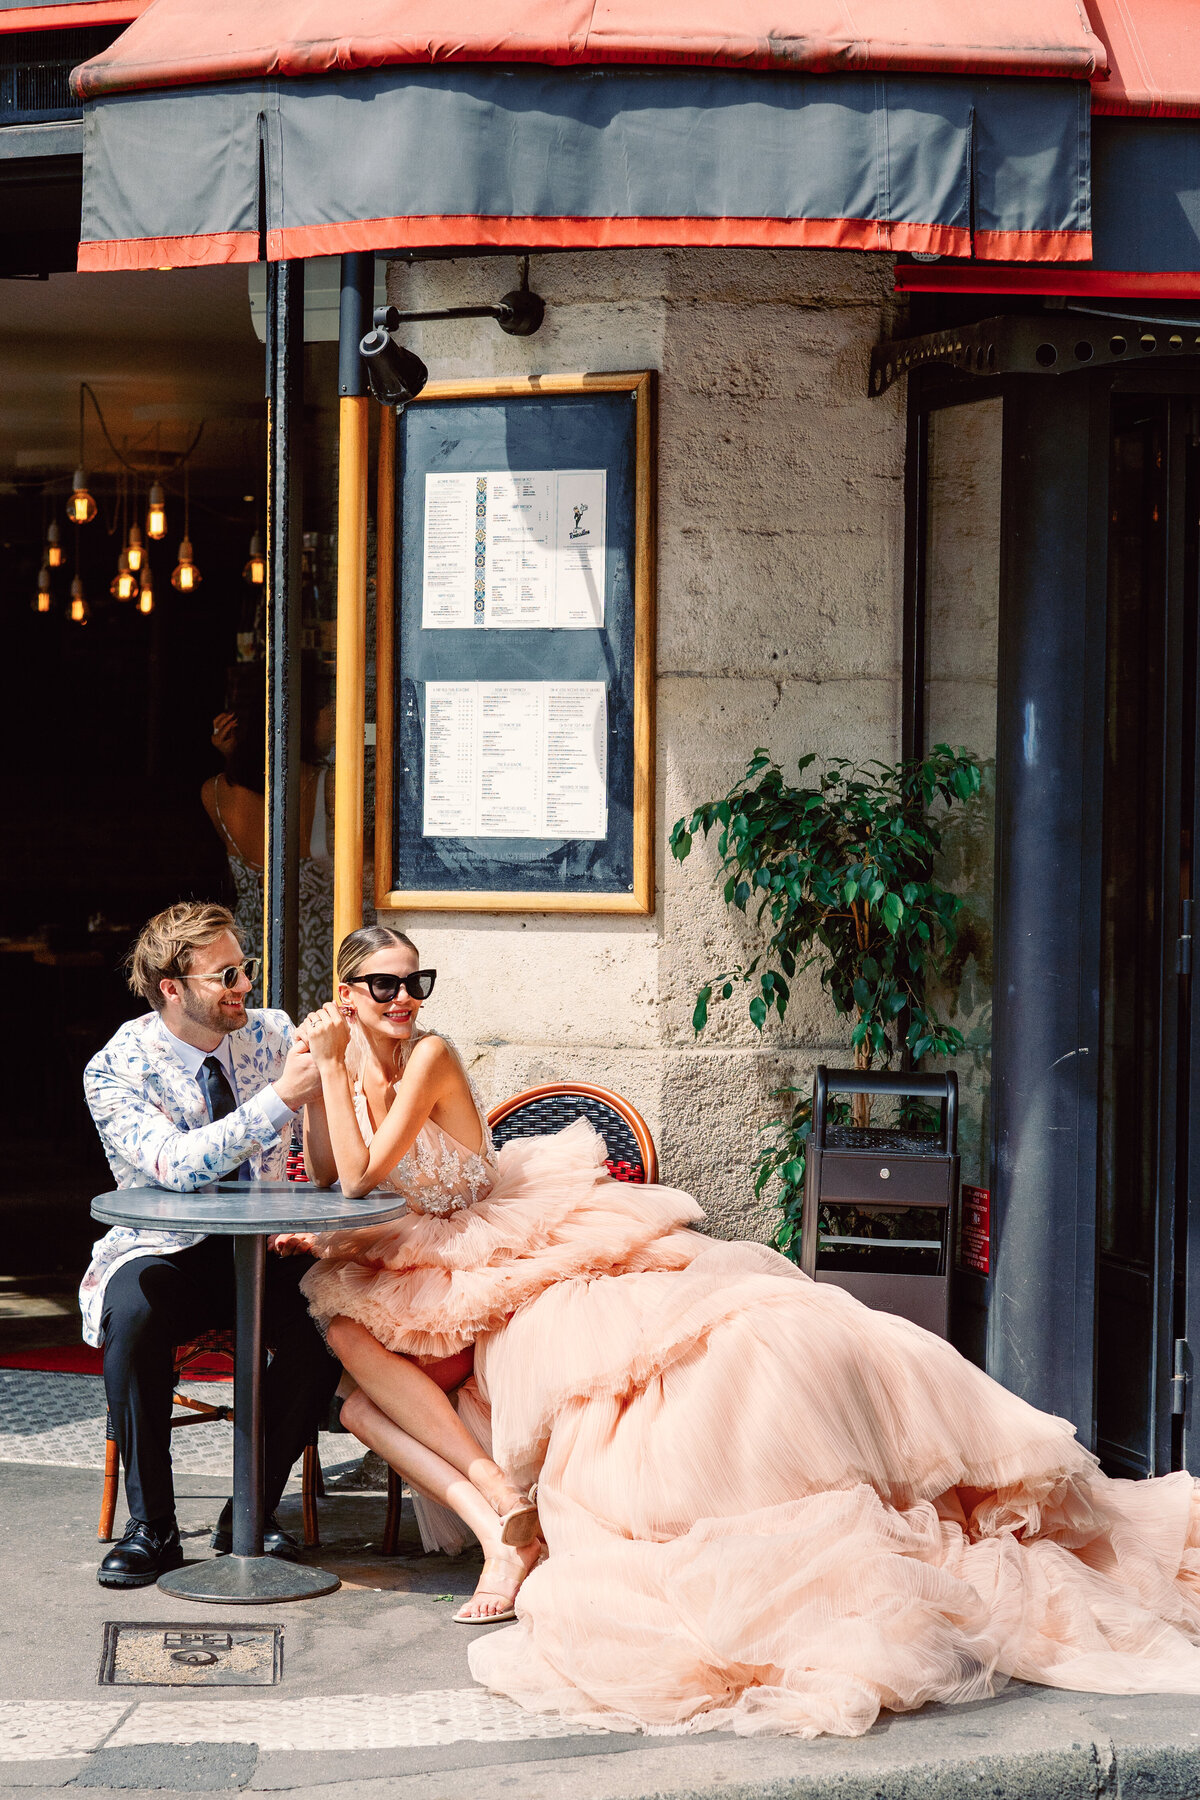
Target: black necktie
(221, 1102)
(217, 1091)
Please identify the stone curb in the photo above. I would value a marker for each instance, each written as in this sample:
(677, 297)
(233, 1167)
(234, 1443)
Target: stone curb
(1096, 1770)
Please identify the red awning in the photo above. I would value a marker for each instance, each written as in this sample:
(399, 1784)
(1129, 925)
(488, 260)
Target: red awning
(59, 15)
(1153, 51)
(186, 42)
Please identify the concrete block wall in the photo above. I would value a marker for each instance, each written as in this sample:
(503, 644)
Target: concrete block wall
(780, 537)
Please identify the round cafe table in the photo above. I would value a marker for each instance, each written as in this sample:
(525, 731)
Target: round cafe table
(249, 1212)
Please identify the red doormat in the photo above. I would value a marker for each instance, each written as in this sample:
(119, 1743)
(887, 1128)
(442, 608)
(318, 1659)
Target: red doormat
(81, 1359)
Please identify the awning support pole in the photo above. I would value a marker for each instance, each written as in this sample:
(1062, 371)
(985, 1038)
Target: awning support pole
(354, 416)
(285, 401)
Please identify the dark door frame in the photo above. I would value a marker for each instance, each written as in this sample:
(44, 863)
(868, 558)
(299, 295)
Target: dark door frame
(1040, 1297)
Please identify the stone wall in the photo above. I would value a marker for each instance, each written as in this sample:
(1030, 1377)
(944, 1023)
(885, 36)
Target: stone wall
(780, 536)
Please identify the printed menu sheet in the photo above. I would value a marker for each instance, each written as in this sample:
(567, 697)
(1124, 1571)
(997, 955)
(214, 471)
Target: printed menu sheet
(524, 759)
(515, 552)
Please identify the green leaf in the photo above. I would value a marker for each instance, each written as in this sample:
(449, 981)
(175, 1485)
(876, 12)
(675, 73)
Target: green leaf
(700, 1015)
(681, 843)
(758, 1011)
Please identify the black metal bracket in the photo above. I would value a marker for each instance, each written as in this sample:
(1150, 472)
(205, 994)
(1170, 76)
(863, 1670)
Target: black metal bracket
(1034, 344)
(519, 313)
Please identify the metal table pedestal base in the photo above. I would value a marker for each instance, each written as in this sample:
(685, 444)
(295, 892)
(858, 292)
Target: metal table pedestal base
(247, 1581)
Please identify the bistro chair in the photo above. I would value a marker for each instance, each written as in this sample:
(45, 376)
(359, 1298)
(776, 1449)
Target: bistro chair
(540, 1111)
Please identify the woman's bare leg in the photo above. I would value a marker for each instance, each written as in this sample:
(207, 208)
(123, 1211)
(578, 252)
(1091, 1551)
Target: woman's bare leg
(408, 1397)
(504, 1568)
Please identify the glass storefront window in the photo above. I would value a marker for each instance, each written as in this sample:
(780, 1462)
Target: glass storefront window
(961, 637)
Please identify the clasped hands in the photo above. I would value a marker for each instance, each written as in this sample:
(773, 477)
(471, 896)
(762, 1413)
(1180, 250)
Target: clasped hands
(321, 1042)
(325, 1033)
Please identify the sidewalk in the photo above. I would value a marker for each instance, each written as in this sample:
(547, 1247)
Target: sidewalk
(376, 1698)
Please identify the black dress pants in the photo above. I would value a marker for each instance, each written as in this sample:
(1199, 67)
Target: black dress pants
(154, 1303)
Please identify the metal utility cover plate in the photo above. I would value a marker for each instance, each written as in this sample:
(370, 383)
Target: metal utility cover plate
(191, 1655)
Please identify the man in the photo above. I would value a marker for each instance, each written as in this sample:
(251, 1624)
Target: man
(193, 1090)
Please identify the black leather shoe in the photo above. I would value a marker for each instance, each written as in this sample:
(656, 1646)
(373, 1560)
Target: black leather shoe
(142, 1555)
(276, 1541)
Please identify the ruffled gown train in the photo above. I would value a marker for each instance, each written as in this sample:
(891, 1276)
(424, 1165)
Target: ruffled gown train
(767, 1508)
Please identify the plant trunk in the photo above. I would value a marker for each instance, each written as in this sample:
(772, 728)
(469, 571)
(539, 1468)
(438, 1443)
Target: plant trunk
(860, 1106)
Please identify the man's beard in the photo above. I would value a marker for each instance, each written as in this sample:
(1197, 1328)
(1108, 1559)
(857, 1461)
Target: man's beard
(209, 1014)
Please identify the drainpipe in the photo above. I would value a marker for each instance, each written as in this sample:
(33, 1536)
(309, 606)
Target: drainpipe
(285, 400)
(357, 300)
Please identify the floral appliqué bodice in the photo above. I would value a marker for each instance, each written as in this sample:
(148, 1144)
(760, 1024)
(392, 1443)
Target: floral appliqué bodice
(437, 1175)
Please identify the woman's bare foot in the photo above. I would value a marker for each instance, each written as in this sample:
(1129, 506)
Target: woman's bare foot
(503, 1572)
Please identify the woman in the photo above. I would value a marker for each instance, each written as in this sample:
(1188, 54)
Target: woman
(766, 1508)
(234, 802)
(482, 1236)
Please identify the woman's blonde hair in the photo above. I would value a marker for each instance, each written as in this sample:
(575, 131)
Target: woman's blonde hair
(167, 943)
(355, 950)
(357, 947)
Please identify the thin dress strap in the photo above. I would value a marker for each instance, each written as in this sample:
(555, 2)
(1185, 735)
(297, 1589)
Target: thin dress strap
(485, 1136)
(225, 831)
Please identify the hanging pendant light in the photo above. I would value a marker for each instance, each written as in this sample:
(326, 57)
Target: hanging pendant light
(124, 583)
(156, 514)
(54, 549)
(135, 550)
(42, 600)
(255, 571)
(79, 606)
(81, 508)
(146, 595)
(185, 575)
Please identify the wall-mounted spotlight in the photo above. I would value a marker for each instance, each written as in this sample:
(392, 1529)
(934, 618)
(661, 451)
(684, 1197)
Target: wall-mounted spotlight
(397, 376)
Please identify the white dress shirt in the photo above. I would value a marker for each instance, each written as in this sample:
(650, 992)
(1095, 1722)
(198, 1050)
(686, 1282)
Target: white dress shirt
(193, 1060)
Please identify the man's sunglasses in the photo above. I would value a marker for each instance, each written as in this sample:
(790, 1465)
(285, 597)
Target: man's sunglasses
(383, 988)
(228, 978)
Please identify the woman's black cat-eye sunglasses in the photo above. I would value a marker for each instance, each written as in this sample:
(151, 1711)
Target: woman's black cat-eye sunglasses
(383, 988)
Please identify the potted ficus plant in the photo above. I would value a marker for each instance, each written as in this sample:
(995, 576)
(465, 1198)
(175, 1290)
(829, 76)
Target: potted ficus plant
(841, 877)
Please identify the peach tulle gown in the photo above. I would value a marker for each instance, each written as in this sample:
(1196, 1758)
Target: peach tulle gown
(766, 1507)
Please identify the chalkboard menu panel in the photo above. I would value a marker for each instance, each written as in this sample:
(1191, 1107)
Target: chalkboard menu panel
(515, 741)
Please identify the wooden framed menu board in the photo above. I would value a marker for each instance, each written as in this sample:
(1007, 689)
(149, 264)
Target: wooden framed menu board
(515, 729)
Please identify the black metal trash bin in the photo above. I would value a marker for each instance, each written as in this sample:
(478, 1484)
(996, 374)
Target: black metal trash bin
(886, 1170)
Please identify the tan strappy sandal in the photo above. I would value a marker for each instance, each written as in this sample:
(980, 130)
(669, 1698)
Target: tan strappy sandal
(520, 1524)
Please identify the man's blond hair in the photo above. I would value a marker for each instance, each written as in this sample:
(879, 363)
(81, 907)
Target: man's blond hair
(167, 943)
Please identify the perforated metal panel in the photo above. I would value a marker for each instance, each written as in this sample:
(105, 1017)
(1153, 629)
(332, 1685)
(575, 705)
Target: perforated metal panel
(35, 71)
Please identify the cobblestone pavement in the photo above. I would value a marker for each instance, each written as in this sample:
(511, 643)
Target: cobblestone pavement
(59, 1420)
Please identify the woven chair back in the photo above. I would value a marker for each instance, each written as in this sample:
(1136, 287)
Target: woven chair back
(543, 1110)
